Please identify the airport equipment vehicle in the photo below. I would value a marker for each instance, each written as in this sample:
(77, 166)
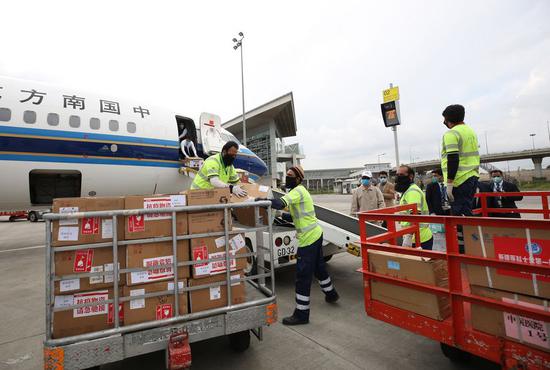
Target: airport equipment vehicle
(457, 336)
(171, 334)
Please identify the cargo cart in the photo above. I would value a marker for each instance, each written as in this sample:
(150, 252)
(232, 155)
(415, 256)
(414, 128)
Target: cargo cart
(458, 339)
(172, 334)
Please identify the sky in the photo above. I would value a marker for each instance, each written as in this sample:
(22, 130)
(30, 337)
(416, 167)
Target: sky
(493, 57)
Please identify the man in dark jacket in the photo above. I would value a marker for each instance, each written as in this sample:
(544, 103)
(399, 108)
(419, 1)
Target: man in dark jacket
(500, 186)
(436, 195)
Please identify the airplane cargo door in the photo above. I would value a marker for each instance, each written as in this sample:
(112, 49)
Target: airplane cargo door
(210, 125)
(46, 185)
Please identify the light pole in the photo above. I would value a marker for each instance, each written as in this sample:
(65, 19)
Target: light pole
(486, 144)
(533, 138)
(548, 127)
(380, 155)
(239, 44)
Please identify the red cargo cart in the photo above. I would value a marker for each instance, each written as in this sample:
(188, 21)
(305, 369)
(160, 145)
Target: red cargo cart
(457, 337)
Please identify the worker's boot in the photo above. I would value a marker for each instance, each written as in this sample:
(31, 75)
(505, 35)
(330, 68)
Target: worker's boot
(297, 318)
(332, 296)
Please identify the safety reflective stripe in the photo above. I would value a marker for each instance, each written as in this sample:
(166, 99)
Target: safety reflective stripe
(307, 228)
(421, 197)
(451, 147)
(324, 282)
(304, 298)
(468, 168)
(302, 307)
(202, 176)
(330, 287)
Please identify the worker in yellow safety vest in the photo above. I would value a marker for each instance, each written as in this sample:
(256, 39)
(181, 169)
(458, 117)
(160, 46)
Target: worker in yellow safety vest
(217, 171)
(412, 194)
(309, 258)
(459, 161)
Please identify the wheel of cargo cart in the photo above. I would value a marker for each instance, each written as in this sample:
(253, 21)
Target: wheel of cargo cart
(33, 217)
(251, 265)
(240, 341)
(455, 354)
(13, 218)
(328, 258)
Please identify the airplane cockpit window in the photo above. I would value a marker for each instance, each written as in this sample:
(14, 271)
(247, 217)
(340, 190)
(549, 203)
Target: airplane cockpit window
(53, 119)
(29, 116)
(131, 127)
(94, 123)
(227, 136)
(74, 121)
(113, 125)
(5, 114)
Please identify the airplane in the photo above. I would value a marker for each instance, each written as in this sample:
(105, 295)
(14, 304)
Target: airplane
(57, 142)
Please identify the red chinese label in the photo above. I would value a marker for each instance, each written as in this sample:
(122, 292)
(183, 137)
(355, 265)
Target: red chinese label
(111, 314)
(164, 311)
(518, 250)
(90, 226)
(201, 253)
(136, 224)
(83, 260)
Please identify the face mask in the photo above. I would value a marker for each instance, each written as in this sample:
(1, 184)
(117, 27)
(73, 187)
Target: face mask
(434, 180)
(228, 159)
(497, 179)
(290, 182)
(402, 183)
(383, 180)
(445, 124)
(365, 182)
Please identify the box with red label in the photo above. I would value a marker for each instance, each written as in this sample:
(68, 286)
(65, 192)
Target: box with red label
(86, 230)
(207, 221)
(85, 319)
(154, 224)
(154, 308)
(155, 254)
(518, 328)
(88, 260)
(216, 296)
(246, 216)
(207, 248)
(509, 245)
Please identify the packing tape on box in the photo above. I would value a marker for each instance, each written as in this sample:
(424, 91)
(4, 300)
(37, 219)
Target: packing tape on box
(532, 261)
(484, 251)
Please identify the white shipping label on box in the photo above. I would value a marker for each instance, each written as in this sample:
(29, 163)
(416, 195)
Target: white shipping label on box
(96, 279)
(263, 189)
(107, 229)
(68, 285)
(68, 210)
(63, 301)
(215, 293)
(178, 200)
(235, 280)
(156, 274)
(108, 267)
(91, 297)
(171, 285)
(237, 242)
(525, 329)
(137, 303)
(155, 203)
(68, 233)
(220, 242)
(138, 277)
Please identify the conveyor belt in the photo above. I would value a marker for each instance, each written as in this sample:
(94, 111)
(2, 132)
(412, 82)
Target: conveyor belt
(340, 220)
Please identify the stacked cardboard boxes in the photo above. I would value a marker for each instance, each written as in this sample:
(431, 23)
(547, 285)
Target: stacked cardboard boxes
(245, 216)
(523, 289)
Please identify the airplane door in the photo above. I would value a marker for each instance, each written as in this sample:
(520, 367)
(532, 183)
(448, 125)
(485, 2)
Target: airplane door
(210, 125)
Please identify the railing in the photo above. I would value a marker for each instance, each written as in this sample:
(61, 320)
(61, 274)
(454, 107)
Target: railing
(485, 210)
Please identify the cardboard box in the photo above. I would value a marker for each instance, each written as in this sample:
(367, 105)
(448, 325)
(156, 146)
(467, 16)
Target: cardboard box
(206, 248)
(253, 191)
(208, 221)
(145, 255)
(428, 271)
(155, 224)
(508, 245)
(85, 319)
(215, 297)
(528, 331)
(85, 230)
(153, 308)
(245, 216)
(193, 162)
(84, 261)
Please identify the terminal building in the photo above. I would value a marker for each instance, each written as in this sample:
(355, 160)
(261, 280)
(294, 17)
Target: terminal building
(341, 180)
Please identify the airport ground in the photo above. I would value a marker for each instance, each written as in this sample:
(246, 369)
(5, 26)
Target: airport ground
(339, 336)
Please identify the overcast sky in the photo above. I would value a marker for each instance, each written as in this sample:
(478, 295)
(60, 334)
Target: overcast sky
(336, 57)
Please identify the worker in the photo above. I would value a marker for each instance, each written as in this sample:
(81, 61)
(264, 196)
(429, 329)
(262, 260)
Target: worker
(411, 194)
(387, 188)
(366, 197)
(459, 161)
(188, 148)
(309, 258)
(436, 195)
(501, 186)
(217, 171)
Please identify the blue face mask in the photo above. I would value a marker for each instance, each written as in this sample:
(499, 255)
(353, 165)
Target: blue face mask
(497, 179)
(365, 182)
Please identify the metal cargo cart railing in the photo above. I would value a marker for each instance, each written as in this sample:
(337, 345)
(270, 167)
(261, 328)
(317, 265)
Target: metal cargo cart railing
(457, 337)
(120, 342)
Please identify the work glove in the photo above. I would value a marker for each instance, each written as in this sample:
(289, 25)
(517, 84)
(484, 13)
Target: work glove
(450, 193)
(407, 240)
(238, 191)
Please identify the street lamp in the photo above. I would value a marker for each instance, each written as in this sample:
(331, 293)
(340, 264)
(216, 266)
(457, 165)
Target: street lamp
(380, 155)
(239, 44)
(533, 138)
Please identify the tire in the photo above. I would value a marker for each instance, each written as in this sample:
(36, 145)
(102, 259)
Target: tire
(251, 265)
(33, 217)
(455, 354)
(13, 218)
(327, 258)
(240, 341)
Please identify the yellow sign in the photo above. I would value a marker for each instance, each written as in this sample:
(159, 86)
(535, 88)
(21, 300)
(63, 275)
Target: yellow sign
(391, 94)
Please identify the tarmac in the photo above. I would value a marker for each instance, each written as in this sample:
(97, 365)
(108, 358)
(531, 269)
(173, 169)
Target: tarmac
(339, 336)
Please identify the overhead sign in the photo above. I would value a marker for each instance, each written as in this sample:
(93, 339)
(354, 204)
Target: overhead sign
(390, 113)
(391, 94)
